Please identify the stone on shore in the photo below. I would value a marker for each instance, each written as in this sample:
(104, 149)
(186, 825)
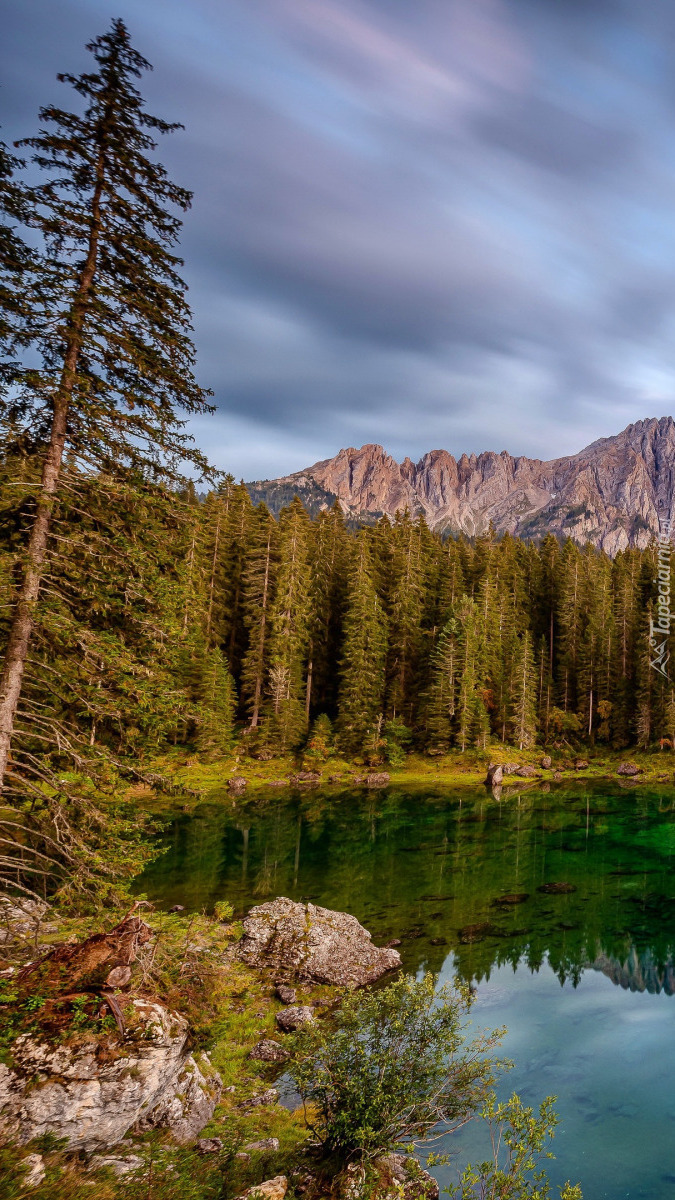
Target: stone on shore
(312, 944)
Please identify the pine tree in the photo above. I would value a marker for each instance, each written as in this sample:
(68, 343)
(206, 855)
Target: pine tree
(217, 706)
(364, 650)
(523, 694)
(286, 710)
(110, 323)
(257, 590)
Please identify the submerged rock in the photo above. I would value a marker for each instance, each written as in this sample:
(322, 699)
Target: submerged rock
(313, 944)
(92, 1091)
(556, 889)
(476, 933)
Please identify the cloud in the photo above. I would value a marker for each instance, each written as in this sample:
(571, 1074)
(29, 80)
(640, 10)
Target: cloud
(447, 223)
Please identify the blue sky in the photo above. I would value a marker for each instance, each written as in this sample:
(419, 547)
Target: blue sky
(447, 223)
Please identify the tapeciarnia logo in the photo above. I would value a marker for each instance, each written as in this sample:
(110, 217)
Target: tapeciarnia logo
(659, 629)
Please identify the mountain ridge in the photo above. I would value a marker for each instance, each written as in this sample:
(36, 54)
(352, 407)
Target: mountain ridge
(613, 493)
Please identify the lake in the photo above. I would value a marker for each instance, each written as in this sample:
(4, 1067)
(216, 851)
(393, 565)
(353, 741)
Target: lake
(582, 972)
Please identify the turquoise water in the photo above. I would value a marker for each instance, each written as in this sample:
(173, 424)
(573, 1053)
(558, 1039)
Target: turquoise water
(583, 977)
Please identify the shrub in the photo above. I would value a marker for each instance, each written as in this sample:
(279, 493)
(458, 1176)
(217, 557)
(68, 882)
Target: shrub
(397, 1066)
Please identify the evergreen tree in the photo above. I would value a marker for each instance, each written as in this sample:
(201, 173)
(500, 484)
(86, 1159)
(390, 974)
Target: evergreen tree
(523, 694)
(109, 323)
(364, 650)
(286, 710)
(257, 589)
(217, 706)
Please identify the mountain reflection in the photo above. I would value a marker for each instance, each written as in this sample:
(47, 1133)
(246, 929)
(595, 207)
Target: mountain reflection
(581, 877)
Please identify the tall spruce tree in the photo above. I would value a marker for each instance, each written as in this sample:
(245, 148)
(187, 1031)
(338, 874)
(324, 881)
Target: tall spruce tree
(364, 652)
(110, 322)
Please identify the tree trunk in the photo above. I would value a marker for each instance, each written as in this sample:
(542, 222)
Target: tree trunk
(21, 628)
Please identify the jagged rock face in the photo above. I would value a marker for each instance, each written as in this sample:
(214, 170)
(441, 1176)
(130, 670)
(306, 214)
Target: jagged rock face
(76, 1092)
(306, 942)
(610, 494)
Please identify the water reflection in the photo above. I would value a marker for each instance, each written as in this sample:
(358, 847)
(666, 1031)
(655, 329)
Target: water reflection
(578, 878)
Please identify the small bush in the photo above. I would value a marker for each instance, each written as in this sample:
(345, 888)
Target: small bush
(397, 1065)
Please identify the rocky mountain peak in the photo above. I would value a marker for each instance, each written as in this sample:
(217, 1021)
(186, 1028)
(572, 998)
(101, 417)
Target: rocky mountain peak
(612, 493)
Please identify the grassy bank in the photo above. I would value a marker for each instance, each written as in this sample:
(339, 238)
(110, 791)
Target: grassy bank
(455, 769)
(191, 968)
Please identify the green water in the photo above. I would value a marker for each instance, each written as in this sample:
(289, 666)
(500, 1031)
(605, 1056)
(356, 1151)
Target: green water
(584, 979)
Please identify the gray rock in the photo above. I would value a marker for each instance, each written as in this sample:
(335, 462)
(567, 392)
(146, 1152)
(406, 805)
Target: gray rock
(209, 1146)
(494, 776)
(119, 1166)
(33, 1165)
(287, 995)
(237, 784)
(268, 1050)
(546, 762)
(526, 771)
(190, 1104)
(295, 1017)
(417, 1183)
(271, 1096)
(265, 1144)
(92, 1103)
(313, 944)
(270, 1189)
(629, 768)
(378, 779)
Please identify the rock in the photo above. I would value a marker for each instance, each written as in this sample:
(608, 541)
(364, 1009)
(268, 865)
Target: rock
(190, 1108)
(580, 764)
(271, 1189)
(392, 943)
(512, 898)
(271, 1096)
(510, 768)
(209, 1145)
(311, 778)
(556, 889)
(295, 1017)
(629, 768)
(526, 771)
(557, 776)
(285, 994)
(313, 944)
(118, 1165)
(476, 933)
(494, 776)
(265, 1144)
(34, 1166)
(269, 1051)
(90, 1095)
(20, 917)
(546, 762)
(237, 784)
(377, 779)
(417, 1183)
(277, 783)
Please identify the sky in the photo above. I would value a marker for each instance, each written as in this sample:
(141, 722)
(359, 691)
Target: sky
(423, 223)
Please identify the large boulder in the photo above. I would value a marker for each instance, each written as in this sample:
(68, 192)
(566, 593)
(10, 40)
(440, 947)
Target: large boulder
(629, 768)
(313, 944)
(93, 1090)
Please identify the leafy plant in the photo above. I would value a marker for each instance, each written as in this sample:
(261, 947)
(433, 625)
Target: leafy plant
(518, 1140)
(397, 1065)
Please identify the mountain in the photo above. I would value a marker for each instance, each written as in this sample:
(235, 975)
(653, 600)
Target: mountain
(611, 494)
